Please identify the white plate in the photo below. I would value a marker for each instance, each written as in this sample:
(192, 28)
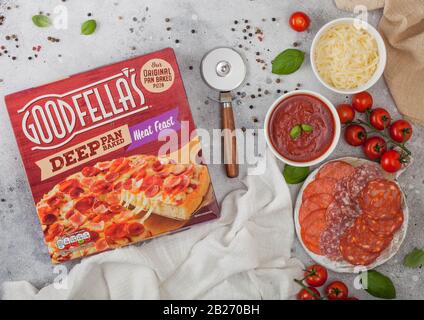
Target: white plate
(343, 266)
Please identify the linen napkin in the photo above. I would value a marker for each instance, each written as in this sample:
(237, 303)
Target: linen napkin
(246, 254)
(402, 27)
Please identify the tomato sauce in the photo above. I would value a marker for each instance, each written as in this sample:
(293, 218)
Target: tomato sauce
(297, 110)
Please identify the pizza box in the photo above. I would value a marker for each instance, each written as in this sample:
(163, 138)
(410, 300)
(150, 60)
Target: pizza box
(112, 156)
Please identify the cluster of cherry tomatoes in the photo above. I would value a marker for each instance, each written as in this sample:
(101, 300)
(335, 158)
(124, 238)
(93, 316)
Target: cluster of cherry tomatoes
(378, 122)
(315, 276)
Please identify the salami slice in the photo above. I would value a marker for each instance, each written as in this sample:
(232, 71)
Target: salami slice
(339, 219)
(319, 186)
(354, 254)
(385, 227)
(362, 175)
(330, 243)
(362, 236)
(315, 223)
(312, 246)
(311, 229)
(335, 170)
(341, 193)
(315, 202)
(380, 199)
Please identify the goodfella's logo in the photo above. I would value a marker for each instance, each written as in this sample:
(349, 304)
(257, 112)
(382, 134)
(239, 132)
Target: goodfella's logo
(52, 120)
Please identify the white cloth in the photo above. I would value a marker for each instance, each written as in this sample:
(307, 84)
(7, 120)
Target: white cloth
(243, 255)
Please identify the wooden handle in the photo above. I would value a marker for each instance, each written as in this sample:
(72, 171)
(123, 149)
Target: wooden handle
(230, 141)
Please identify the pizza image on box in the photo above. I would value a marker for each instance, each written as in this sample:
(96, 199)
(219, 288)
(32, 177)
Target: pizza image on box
(113, 200)
(112, 156)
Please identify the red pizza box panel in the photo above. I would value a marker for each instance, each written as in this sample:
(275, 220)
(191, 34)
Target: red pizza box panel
(112, 156)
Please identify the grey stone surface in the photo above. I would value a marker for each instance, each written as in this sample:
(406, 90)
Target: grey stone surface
(129, 28)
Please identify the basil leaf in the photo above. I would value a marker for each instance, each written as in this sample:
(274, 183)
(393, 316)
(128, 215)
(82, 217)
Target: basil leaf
(295, 132)
(288, 61)
(414, 259)
(295, 175)
(88, 27)
(41, 20)
(307, 128)
(378, 285)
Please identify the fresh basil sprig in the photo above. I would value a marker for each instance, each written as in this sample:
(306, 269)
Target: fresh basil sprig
(288, 61)
(414, 259)
(307, 128)
(378, 285)
(295, 175)
(42, 21)
(88, 27)
(295, 132)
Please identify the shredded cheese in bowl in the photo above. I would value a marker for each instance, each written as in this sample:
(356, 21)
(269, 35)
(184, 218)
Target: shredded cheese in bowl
(346, 56)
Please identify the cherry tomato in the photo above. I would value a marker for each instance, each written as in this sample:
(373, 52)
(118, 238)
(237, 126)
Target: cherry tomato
(380, 118)
(316, 275)
(346, 113)
(299, 21)
(355, 135)
(374, 147)
(400, 131)
(306, 295)
(362, 101)
(390, 161)
(336, 290)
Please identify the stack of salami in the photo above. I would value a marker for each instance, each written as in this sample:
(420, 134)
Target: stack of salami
(350, 213)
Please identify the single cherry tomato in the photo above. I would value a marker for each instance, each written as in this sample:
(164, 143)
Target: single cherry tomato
(355, 135)
(316, 275)
(380, 118)
(346, 113)
(306, 295)
(401, 131)
(374, 147)
(391, 161)
(336, 290)
(299, 21)
(362, 101)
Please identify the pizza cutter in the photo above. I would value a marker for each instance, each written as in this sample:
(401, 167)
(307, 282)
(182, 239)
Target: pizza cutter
(224, 70)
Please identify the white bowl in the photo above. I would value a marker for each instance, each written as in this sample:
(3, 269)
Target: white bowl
(336, 131)
(381, 52)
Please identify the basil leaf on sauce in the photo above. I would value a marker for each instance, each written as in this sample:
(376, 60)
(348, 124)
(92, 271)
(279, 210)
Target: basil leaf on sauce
(295, 132)
(414, 259)
(88, 27)
(295, 175)
(307, 128)
(288, 61)
(41, 20)
(378, 285)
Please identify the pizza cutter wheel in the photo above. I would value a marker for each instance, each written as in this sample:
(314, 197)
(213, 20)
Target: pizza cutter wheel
(224, 70)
